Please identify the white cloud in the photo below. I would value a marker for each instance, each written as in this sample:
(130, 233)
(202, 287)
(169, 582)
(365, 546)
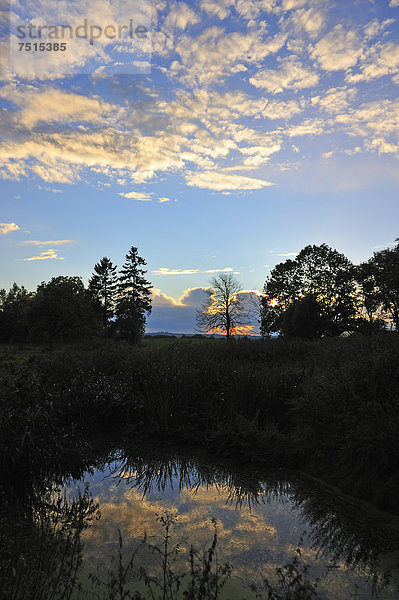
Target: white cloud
(217, 111)
(336, 99)
(134, 141)
(79, 56)
(193, 296)
(258, 155)
(167, 271)
(394, 3)
(61, 173)
(10, 170)
(251, 9)
(309, 20)
(290, 4)
(383, 146)
(51, 104)
(352, 151)
(212, 54)
(381, 59)
(54, 65)
(225, 270)
(59, 153)
(373, 126)
(307, 127)
(339, 49)
(160, 299)
(45, 255)
(50, 189)
(291, 75)
(219, 181)
(8, 228)
(200, 126)
(281, 110)
(217, 8)
(141, 196)
(180, 15)
(376, 122)
(175, 316)
(47, 243)
(375, 27)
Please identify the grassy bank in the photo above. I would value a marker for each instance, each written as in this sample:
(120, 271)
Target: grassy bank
(328, 407)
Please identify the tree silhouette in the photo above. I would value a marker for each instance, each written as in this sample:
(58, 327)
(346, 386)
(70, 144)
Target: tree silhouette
(102, 287)
(14, 307)
(134, 298)
(319, 272)
(303, 319)
(370, 293)
(224, 309)
(269, 315)
(385, 269)
(61, 310)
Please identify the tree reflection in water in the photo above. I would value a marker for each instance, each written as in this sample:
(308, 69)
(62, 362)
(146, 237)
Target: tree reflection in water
(41, 549)
(339, 528)
(40, 532)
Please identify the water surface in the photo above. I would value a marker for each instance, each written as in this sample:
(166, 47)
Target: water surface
(261, 519)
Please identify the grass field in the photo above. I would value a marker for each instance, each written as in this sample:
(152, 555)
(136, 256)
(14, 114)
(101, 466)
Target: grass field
(157, 341)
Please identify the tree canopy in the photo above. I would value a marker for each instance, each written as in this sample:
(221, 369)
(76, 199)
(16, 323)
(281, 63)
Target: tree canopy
(134, 297)
(103, 286)
(304, 318)
(384, 274)
(320, 273)
(14, 307)
(223, 310)
(61, 310)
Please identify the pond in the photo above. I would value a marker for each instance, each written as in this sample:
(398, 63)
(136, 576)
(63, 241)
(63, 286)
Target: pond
(260, 518)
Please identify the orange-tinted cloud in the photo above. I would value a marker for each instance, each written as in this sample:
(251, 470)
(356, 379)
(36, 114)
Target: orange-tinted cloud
(45, 255)
(8, 227)
(47, 243)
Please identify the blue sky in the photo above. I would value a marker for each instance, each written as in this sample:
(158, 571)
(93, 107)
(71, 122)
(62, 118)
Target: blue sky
(251, 129)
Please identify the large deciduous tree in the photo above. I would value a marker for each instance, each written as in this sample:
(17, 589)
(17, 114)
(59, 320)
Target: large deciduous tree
(134, 297)
(304, 319)
(62, 311)
(368, 289)
(385, 271)
(102, 287)
(319, 273)
(223, 310)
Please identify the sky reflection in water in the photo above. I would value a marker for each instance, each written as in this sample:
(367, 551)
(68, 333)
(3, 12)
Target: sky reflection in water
(260, 522)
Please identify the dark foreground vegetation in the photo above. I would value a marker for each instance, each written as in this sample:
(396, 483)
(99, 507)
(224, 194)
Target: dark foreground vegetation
(328, 407)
